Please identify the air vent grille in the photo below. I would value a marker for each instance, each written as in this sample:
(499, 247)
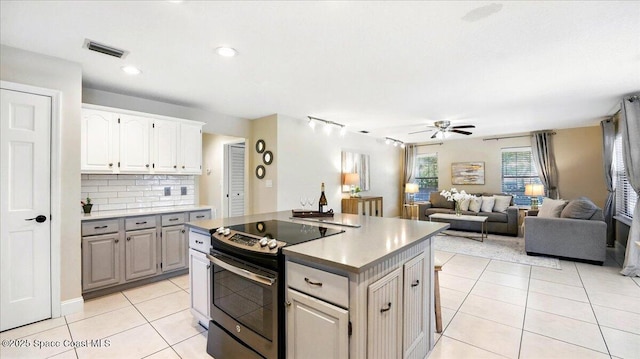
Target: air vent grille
(104, 49)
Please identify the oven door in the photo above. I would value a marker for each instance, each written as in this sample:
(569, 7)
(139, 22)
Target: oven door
(244, 303)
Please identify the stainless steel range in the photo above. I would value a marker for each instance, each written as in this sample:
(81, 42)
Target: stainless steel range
(247, 308)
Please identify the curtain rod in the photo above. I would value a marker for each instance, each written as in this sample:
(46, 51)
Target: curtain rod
(503, 138)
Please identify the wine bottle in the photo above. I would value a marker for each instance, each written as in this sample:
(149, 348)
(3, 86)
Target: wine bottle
(322, 203)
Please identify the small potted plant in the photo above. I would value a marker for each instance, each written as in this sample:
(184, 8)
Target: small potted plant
(86, 205)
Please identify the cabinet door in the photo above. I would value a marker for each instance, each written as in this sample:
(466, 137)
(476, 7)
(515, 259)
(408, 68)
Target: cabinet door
(174, 248)
(315, 329)
(384, 316)
(100, 261)
(165, 146)
(140, 254)
(99, 141)
(415, 309)
(190, 148)
(200, 285)
(134, 144)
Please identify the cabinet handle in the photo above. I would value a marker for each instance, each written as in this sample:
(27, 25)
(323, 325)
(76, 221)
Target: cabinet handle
(128, 238)
(386, 309)
(100, 227)
(208, 266)
(174, 166)
(182, 166)
(173, 219)
(183, 231)
(199, 216)
(416, 283)
(110, 164)
(145, 222)
(288, 303)
(117, 240)
(310, 282)
(147, 165)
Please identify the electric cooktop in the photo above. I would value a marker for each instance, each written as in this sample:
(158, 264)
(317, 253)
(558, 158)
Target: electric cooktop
(291, 233)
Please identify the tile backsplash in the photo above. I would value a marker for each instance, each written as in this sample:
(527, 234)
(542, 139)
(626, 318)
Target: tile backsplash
(122, 191)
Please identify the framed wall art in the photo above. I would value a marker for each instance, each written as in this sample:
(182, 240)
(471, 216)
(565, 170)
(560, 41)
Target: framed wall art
(467, 173)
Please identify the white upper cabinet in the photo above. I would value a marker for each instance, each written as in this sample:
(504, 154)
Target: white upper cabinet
(99, 140)
(135, 135)
(191, 146)
(165, 146)
(120, 141)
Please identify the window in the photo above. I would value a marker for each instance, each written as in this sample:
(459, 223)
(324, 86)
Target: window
(625, 195)
(518, 170)
(426, 175)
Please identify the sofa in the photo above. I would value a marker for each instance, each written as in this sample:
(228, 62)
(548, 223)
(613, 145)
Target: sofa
(498, 222)
(567, 229)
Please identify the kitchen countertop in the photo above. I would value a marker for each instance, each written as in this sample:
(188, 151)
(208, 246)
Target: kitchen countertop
(355, 250)
(140, 212)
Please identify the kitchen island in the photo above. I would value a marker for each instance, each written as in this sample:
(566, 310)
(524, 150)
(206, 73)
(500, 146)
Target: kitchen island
(365, 292)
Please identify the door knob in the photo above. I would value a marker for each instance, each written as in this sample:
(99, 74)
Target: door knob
(38, 219)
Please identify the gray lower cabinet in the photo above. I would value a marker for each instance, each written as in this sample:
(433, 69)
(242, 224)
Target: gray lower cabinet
(100, 261)
(141, 254)
(174, 248)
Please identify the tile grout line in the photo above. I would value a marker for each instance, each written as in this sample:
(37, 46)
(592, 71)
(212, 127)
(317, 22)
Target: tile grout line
(524, 316)
(604, 340)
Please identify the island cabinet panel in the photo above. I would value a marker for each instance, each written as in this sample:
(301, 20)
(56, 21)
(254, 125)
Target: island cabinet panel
(415, 312)
(100, 261)
(384, 308)
(321, 329)
(140, 254)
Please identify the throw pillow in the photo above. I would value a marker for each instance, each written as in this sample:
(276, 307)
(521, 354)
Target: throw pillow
(464, 205)
(551, 208)
(502, 203)
(475, 204)
(439, 201)
(487, 204)
(581, 208)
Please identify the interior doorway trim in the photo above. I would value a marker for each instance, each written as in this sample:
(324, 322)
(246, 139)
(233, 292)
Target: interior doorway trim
(56, 186)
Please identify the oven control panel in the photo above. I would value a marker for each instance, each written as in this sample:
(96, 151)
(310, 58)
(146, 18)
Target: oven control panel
(248, 241)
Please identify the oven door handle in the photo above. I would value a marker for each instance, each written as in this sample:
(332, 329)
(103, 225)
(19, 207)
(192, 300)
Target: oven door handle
(241, 272)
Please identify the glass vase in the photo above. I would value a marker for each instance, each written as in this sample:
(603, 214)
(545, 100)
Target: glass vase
(458, 210)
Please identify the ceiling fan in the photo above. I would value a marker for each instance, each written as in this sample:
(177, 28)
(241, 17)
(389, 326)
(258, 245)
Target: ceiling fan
(445, 126)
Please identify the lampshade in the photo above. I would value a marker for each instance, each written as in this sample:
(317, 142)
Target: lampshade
(534, 190)
(351, 179)
(411, 188)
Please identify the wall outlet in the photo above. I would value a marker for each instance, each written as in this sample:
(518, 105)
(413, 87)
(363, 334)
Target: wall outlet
(167, 191)
(183, 191)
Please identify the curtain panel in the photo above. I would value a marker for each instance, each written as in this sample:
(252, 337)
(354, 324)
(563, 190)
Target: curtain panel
(630, 126)
(545, 162)
(608, 143)
(410, 152)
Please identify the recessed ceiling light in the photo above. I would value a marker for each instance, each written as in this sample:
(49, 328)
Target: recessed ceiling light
(226, 51)
(131, 70)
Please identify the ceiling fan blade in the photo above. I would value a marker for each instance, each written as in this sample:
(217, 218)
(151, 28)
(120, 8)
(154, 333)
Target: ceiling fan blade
(462, 132)
(464, 126)
(411, 133)
(434, 135)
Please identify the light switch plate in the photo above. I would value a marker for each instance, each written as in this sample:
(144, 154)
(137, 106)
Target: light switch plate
(269, 183)
(183, 191)
(167, 191)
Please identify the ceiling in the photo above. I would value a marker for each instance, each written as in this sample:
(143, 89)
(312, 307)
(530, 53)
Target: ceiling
(387, 67)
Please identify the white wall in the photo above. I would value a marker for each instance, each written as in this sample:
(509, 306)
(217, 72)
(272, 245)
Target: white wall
(306, 158)
(33, 69)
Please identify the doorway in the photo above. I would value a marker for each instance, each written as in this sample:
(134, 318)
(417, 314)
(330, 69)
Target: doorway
(25, 206)
(234, 179)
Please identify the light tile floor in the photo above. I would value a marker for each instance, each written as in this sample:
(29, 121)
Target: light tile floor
(495, 309)
(491, 309)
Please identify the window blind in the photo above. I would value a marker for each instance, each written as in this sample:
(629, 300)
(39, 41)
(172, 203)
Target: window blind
(518, 171)
(625, 195)
(426, 175)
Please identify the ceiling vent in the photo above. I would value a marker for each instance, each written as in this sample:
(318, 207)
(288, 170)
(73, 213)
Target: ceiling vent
(104, 49)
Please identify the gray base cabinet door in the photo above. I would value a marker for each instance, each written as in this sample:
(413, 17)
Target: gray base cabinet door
(100, 261)
(174, 248)
(140, 254)
(384, 317)
(315, 328)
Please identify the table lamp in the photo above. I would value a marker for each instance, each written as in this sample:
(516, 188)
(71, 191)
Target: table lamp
(351, 180)
(533, 191)
(411, 189)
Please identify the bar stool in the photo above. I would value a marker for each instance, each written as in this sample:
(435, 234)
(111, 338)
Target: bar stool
(436, 284)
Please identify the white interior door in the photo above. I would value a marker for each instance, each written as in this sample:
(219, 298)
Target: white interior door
(235, 179)
(25, 232)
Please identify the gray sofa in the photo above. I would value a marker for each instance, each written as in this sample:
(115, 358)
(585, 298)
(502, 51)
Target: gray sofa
(581, 236)
(498, 222)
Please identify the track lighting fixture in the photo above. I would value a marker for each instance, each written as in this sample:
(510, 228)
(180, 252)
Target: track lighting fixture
(394, 142)
(328, 125)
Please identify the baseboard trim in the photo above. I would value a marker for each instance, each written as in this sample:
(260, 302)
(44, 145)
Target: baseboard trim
(71, 306)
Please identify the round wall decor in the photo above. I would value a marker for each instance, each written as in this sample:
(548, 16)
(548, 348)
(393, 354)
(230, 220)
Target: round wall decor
(260, 146)
(267, 157)
(260, 171)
